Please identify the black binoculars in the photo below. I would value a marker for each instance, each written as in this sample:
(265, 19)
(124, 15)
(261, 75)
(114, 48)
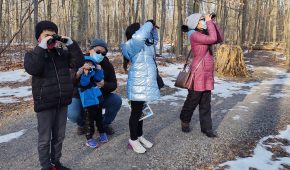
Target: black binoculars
(55, 38)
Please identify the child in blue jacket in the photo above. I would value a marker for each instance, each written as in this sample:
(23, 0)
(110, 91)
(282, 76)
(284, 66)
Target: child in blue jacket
(91, 95)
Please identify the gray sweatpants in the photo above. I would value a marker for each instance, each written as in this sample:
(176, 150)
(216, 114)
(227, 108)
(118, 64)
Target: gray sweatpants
(51, 133)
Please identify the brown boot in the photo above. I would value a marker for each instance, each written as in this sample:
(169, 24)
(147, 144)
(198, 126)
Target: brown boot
(185, 127)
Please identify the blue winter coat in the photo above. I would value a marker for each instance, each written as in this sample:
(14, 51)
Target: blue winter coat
(142, 75)
(89, 92)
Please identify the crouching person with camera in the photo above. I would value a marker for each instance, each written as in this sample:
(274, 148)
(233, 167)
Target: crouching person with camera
(52, 89)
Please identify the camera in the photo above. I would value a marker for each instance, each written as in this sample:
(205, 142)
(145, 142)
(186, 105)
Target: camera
(55, 38)
(92, 68)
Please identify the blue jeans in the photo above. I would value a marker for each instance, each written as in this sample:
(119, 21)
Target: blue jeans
(112, 103)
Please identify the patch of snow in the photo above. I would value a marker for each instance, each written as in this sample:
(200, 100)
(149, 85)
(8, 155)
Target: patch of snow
(237, 117)
(227, 89)
(224, 111)
(254, 102)
(17, 92)
(125, 103)
(122, 76)
(14, 76)
(262, 158)
(8, 100)
(11, 136)
(243, 107)
(174, 104)
(28, 99)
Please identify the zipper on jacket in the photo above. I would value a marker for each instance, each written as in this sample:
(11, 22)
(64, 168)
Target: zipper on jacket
(57, 77)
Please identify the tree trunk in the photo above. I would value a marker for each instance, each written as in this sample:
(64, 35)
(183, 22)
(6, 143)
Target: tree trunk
(154, 9)
(143, 12)
(256, 23)
(108, 25)
(163, 16)
(49, 9)
(97, 35)
(1, 12)
(137, 10)
(273, 22)
(179, 37)
(35, 11)
(288, 35)
(196, 6)
(230, 61)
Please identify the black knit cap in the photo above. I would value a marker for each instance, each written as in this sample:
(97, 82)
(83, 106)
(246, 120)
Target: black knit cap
(44, 25)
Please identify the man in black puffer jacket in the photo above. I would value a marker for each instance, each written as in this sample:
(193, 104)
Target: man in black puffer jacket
(52, 89)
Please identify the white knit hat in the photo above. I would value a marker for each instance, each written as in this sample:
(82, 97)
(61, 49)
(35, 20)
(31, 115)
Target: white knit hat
(192, 20)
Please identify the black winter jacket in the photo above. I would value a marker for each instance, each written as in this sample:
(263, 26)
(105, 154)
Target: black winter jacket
(51, 83)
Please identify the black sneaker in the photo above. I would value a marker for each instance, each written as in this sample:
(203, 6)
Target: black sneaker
(209, 133)
(81, 130)
(109, 130)
(59, 166)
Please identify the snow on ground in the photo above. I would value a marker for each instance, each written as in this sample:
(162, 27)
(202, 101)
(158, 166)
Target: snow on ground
(263, 157)
(16, 92)
(9, 137)
(237, 117)
(7, 94)
(254, 102)
(8, 100)
(14, 76)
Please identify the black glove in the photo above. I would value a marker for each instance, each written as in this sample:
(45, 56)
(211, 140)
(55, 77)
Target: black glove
(152, 21)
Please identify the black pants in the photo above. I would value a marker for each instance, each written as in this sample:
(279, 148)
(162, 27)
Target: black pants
(93, 113)
(51, 133)
(202, 99)
(136, 126)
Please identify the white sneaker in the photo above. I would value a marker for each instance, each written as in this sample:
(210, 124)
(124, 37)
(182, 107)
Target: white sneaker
(145, 142)
(136, 146)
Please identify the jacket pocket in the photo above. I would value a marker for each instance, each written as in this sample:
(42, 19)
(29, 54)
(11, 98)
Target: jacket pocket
(38, 96)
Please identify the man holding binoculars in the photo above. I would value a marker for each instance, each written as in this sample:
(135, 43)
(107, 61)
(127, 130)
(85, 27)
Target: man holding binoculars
(52, 89)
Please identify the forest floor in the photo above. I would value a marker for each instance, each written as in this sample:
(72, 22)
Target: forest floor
(247, 114)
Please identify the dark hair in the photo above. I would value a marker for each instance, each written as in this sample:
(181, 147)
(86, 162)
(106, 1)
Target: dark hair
(131, 29)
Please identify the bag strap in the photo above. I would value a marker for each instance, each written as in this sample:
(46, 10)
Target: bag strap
(188, 55)
(201, 59)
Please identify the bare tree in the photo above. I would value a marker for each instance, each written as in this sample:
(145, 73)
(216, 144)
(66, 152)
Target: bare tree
(35, 2)
(136, 12)
(49, 9)
(154, 9)
(143, 12)
(97, 18)
(179, 36)
(163, 16)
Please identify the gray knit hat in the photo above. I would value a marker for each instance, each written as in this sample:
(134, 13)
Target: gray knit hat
(192, 20)
(99, 42)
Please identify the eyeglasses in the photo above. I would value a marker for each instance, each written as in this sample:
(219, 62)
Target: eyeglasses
(104, 53)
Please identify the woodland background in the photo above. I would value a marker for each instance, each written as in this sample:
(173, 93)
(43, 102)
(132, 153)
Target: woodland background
(251, 24)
